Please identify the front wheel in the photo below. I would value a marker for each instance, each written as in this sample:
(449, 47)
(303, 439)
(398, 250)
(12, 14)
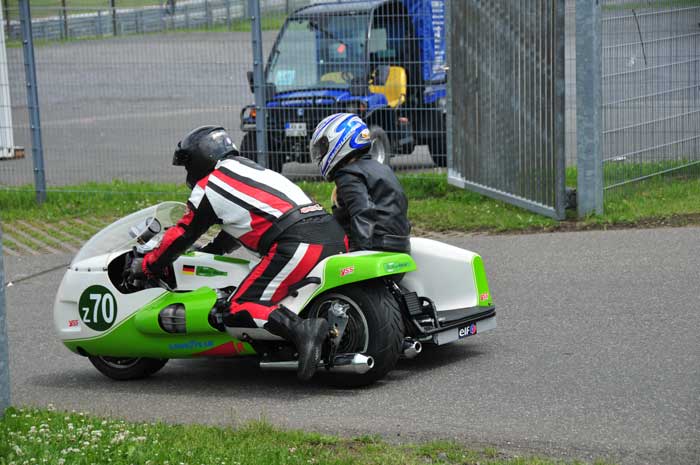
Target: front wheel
(381, 146)
(374, 328)
(127, 368)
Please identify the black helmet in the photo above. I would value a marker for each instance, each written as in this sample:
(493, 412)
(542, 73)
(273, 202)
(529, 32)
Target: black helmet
(201, 149)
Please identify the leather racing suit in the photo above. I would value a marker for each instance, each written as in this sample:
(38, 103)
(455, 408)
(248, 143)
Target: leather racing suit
(372, 206)
(266, 213)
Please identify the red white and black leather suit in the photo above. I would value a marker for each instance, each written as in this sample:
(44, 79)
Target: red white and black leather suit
(267, 214)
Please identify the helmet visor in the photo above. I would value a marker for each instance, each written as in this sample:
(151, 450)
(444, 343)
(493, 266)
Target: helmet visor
(180, 157)
(319, 149)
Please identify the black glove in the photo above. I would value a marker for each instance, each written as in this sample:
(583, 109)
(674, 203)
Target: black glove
(134, 276)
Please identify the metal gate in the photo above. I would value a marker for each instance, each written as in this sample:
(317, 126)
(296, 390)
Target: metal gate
(506, 124)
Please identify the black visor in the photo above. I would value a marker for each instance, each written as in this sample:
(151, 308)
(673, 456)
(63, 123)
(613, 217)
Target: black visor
(180, 157)
(320, 149)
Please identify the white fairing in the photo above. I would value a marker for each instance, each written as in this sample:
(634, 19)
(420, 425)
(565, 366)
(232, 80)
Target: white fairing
(444, 274)
(67, 318)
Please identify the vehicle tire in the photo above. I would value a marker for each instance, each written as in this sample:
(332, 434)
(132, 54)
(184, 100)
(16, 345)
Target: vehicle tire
(127, 368)
(249, 147)
(375, 328)
(438, 150)
(381, 145)
(249, 150)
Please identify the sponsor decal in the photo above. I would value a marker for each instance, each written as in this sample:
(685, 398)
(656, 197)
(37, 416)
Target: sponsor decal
(188, 269)
(97, 308)
(484, 296)
(347, 270)
(191, 345)
(393, 267)
(73, 323)
(468, 330)
(210, 272)
(311, 208)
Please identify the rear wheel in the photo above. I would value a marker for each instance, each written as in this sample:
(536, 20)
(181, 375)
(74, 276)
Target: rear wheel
(249, 150)
(374, 328)
(438, 150)
(249, 147)
(126, 368)
(381, 146)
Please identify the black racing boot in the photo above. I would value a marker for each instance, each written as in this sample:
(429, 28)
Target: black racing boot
(306, 334)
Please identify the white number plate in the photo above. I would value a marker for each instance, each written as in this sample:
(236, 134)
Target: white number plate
(295, 129)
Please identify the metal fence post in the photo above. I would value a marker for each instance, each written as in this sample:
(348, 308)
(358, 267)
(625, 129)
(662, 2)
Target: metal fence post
(33, 100)
(65, 19)
(589, 97)
(4, 346)
(113, 7)
(258, 82)
(7, 139)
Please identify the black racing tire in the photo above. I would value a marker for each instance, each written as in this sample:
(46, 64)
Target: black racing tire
(438, 150)
(381, 145)
(127, 368)
(249, 150)
(384, 326)
(249, 147)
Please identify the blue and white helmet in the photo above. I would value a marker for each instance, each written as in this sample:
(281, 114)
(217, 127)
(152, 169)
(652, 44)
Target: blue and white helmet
(337, 137)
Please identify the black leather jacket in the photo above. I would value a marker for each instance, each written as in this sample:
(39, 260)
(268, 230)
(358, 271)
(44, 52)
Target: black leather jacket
(372, 206)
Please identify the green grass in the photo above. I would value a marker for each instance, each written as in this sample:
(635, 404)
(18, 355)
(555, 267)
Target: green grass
(44, 436)
(434, 205)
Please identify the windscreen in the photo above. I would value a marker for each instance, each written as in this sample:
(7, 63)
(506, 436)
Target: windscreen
(320, 52)
(115, 237)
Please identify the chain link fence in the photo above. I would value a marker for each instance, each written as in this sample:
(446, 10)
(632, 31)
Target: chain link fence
(113, 107)
(131, 81)
(508, 105)
(138, 17)
(651, 90)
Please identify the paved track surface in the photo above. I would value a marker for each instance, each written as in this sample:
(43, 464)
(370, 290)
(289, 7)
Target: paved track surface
(597, 354)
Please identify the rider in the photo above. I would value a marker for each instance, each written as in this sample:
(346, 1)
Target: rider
(266, 213)
(368, 200)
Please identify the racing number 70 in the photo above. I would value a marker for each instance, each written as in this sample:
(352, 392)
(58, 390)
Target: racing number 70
(106, 309)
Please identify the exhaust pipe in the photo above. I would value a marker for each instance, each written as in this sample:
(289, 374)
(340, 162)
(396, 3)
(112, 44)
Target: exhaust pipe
(343, 363)
(411, 348)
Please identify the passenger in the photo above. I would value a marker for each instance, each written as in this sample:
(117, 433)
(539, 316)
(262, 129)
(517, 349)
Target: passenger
(368, 200)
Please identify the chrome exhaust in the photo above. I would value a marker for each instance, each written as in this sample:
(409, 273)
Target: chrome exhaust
(411, 348)
(342, 363)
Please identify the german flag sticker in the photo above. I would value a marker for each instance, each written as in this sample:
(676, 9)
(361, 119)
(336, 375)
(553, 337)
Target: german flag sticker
(187, 269)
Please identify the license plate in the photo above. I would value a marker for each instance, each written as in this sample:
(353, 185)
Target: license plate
(295, 129)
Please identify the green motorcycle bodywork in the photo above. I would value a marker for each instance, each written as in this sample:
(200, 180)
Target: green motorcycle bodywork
(141, 335)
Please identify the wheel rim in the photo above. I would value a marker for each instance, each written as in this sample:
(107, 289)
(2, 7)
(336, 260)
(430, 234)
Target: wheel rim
(356, 335)
(119, 363)
(379, 151)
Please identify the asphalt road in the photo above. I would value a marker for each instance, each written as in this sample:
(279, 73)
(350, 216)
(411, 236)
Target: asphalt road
(597, 355)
